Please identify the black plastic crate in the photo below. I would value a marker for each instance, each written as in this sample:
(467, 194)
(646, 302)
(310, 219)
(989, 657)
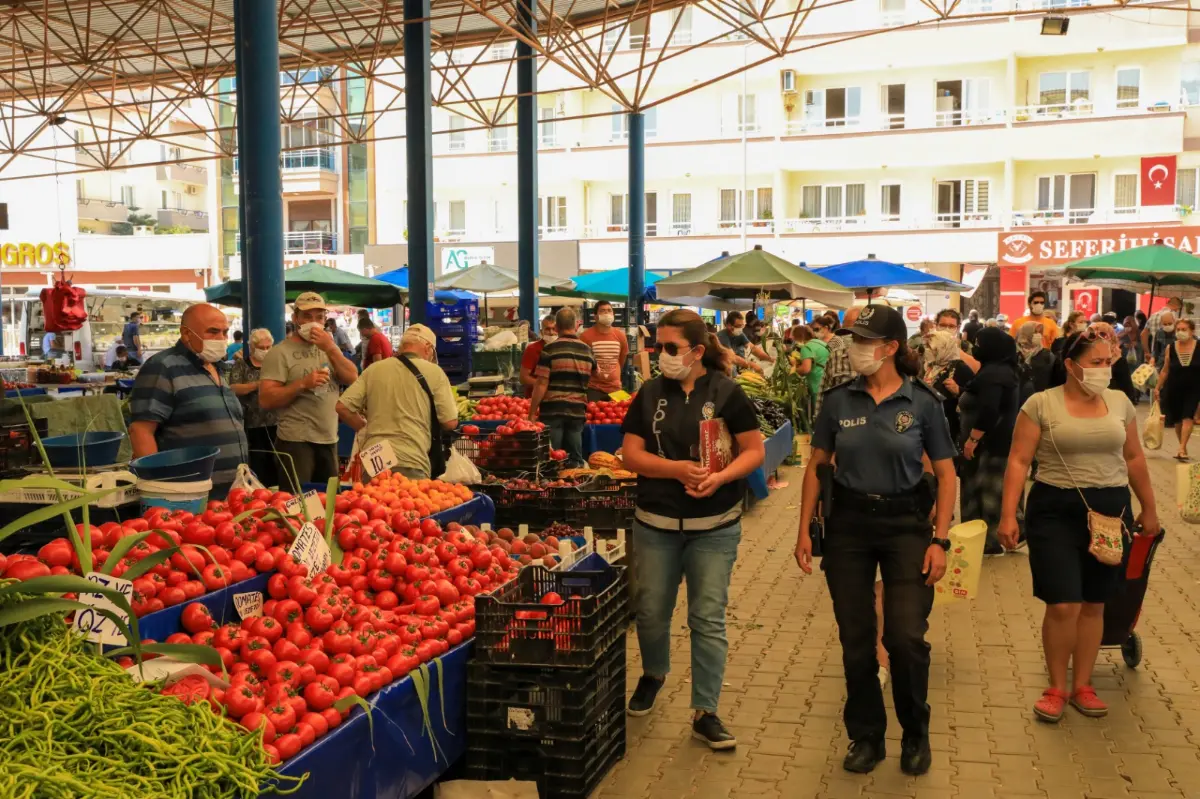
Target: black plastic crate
(17, 448)
(563, 768)
(546, 703)
(602, 503)
(513, 627)
(526, 453)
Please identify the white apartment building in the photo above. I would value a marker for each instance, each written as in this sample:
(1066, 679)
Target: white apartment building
(925, 146)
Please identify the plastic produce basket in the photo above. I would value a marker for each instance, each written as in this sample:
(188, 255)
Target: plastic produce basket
(514, 628)
(526, 453)
(602, 503)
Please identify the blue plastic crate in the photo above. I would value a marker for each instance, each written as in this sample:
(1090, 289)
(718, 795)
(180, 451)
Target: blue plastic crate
(458, 307)
(470, 331)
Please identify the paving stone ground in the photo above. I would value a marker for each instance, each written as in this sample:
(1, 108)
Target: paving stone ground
(784, 688)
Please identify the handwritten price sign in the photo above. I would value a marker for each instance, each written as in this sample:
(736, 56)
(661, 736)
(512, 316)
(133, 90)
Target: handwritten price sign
(93, 624)
(310, 549)
(310, 503)
(378, 457)
(248, 604)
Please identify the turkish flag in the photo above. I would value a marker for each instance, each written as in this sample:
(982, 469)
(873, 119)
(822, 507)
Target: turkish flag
(1158, 180)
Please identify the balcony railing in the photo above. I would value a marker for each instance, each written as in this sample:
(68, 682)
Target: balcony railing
(185, 217)
(103, 210)
(315, 158)
(184, 173)
(1096, 216)
(309, 241)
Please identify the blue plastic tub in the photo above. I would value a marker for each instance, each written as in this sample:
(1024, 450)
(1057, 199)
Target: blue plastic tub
(184, 465)
(77, 450)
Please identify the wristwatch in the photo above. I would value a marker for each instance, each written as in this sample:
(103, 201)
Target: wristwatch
(944, 543)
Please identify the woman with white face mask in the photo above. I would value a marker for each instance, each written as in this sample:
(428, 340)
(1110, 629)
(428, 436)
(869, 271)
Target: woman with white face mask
(1178, 390)
(1084, 436)
(260, 424)
(688, 518)
(883, 427)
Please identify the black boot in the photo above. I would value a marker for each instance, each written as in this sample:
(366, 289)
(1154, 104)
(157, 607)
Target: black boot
(864, 755)
(915, 756)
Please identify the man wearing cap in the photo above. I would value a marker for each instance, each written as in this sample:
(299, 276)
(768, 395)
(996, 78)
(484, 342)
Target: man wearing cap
(299, 379)
(393, 404)
(182, 398)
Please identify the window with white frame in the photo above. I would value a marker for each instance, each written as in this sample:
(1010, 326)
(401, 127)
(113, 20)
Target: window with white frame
(739, 113)
(458, 136)
(833, 202)
(1129, 87)
(682, 24)
(128, 196)
(832, 108)
(764, 204)
(681, 214)
(892, 12)
(499, 136)
(1189, 83)
(554, 214)
(1125, 193)
(1065, 91)
(548, 127)
(1070, 196)
(458, 217)
(639, 33)
(744, 19)
(620, 123)
(612, 37)
(758, 205)
(618, 211)
(1186, 182)
(729, 207)
(500, 51)
(889, 202)
(163, 200)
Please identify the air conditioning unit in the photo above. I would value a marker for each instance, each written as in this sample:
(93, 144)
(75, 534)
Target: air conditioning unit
(787, 81)
(192, 190)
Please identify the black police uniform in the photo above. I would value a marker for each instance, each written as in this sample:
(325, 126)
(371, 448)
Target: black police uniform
(880, 516)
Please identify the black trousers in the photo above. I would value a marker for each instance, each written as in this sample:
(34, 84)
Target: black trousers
(263, 461)
(313, 463)
(855, 544)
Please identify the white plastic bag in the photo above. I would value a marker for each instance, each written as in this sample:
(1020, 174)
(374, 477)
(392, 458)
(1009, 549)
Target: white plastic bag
(246, 479)
(459, 469)
(501, 341)
(964, 562)
(1189, 508)
(1144, 377)
(1152, 434)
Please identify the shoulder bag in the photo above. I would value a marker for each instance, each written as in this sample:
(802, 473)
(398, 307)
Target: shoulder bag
(1107, 532)
(439, 452)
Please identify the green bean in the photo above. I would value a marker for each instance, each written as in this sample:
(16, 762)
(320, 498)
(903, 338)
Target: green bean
(73, 725)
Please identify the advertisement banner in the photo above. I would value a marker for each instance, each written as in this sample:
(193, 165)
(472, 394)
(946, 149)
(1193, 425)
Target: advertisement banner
(1032, 246)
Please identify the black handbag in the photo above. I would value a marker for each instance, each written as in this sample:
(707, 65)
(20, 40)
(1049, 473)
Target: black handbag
(439, 448)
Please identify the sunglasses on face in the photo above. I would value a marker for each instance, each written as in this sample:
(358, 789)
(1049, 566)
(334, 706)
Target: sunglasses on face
(673, 349)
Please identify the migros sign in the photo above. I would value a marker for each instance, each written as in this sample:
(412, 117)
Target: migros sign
(40, 254)
(1032, 247)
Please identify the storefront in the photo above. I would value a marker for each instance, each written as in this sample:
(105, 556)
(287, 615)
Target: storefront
(1026, 257)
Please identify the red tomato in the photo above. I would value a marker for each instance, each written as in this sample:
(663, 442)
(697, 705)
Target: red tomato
(240, 700)
(318, 723)
(288, 745)
(196, 618)
(256, 721)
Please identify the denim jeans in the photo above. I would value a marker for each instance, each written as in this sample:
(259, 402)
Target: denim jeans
(705, 561)
(566, 432)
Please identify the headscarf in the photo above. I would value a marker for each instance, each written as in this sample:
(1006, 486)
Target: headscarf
(995, 346)
(1029, 340)
(940, 351)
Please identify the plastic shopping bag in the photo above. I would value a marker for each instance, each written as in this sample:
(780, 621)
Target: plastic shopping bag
(964, 561)
(1144, 377)
(1152, 434)
(459, 469)
(246, 479)
(1189, 507)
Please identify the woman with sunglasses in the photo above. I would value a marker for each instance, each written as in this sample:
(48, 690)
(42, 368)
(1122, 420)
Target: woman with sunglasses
(688, 518)
(1085, 438)
(883, 427)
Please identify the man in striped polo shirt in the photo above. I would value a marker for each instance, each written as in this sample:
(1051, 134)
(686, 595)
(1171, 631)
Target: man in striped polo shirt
(563, 373)
(610, 348)
(181, 398)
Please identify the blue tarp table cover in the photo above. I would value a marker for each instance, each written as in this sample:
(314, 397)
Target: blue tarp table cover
(779, 447)
(601, 438)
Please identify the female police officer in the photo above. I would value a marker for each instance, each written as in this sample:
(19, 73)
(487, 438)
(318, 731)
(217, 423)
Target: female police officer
(880, 426)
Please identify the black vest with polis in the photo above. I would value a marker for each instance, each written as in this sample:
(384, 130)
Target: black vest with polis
(878, 447)
(668, 420)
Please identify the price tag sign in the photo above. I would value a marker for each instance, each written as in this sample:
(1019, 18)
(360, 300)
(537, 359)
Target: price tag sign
(313, 506)
(378, 457)
(310, 549)
(92, 624)
(169, 671)
(619, 396)
(248, 604)
(293, 506)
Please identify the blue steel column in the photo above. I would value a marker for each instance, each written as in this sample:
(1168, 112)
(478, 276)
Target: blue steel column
(637, 233)
(527, 177)
(256, 46)
(418, 129)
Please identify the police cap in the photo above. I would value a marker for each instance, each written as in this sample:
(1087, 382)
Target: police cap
(880, 322)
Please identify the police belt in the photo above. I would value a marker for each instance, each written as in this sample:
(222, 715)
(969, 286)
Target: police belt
(847, 500)
(700, 524)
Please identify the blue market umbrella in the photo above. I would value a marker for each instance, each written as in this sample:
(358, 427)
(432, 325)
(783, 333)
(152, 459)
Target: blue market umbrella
(870, 275)
(399, 277)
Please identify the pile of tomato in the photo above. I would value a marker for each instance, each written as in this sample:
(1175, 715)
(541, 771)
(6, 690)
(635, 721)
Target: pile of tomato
(494, 409)
(400, 597)
(607, 412)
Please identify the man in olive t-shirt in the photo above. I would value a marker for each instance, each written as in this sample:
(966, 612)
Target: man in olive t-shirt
(299, 379)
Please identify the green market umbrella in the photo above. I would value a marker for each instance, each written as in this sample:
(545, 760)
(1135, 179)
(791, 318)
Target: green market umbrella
(1152, 268)
(750, 275)
(336, 286)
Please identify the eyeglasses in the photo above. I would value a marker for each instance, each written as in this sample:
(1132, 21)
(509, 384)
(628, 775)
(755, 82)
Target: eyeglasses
(674, 349)
(951, 328)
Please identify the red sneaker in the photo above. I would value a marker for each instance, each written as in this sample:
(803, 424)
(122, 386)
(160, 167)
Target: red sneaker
(1051, 706)
(1087, 703)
